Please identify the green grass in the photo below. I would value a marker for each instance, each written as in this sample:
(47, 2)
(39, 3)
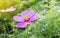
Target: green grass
(46, 26)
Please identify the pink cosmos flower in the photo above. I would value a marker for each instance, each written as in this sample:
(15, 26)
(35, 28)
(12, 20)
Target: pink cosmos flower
(27, 17)
(8, 9)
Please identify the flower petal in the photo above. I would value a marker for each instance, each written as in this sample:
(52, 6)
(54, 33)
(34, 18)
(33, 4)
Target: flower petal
(24, 13)
(8, 9)
(28, 13)
(34, 17)
(21, 25)
(31, 13)
(2, 10)
(18, 19)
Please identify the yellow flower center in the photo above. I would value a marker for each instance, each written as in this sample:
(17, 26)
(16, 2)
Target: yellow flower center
(26, 18)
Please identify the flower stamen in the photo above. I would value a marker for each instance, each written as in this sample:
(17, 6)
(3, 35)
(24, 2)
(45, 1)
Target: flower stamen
(26, 18)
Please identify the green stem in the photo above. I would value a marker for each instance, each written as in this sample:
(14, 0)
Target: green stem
(26, 33)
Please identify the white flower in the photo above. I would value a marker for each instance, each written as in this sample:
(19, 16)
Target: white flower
(8, 9)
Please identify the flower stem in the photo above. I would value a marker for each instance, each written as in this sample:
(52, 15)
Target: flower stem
(26, 33)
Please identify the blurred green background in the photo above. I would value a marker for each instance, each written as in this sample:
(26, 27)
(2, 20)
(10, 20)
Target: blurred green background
(46, 26)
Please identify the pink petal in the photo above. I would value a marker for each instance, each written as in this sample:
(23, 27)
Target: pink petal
(21, 25)
(31, 13)
(2, 10)
(18, 19)
(28, 13)
(23, 13)
(34, 17)
(8, 10)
